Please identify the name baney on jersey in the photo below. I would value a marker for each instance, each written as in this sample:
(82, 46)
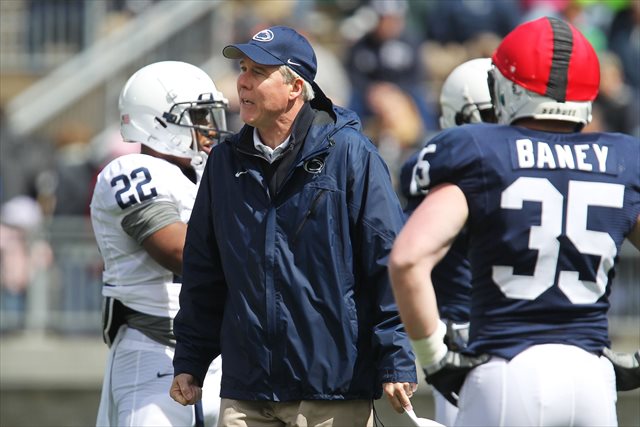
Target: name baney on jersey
(548, 213)
(130, 274)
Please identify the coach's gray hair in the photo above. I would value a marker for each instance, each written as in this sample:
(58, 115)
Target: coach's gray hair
(289, 76)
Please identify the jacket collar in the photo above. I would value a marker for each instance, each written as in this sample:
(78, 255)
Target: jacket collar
(311, 127)
(299, 131)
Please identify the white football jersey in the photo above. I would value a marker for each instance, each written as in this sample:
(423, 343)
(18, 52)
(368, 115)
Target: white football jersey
(130, 274)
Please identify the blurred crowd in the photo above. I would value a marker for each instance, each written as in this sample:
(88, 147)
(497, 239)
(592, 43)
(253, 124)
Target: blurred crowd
(385, 59)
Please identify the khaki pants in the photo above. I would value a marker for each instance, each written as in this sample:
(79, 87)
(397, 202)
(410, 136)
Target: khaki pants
(300, 413)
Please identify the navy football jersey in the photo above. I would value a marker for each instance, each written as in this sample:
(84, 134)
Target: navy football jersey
(451, 278)
(548, 213)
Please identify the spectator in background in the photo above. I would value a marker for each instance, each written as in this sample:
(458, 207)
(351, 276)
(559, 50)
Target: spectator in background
(460, 20)
(534, 9)
(618, 102)
(624, 40)
(22, 253)
(23, 161)
(395, 125)
(389, 53)
(74, 171)
(332, 75)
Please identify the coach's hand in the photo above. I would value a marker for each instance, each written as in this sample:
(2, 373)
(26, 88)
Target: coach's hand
(448, 374)
(626, 367)
(185, 389)
(399, 395)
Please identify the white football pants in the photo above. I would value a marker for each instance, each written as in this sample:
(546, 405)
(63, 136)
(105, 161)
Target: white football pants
(445, 412)
(545, 385)
(138, 376)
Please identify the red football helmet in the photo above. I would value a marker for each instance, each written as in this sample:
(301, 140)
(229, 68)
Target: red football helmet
(544, 69)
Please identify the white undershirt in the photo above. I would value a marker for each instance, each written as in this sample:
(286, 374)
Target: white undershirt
(269, 154)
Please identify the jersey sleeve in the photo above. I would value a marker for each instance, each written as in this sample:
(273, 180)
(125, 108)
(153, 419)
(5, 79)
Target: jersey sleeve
(408, 186)
(450, 157)
(149, 218)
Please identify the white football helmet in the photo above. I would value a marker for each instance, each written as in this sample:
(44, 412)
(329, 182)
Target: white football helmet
(465, 96)
(164, 104)
(555, 77)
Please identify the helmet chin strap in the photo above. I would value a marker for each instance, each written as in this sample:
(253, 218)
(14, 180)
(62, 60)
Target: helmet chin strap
(199, 160)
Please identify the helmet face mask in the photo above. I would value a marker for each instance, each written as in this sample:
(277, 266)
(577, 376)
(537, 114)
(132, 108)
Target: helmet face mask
(475, 113)
(206, 118)
(166, 105)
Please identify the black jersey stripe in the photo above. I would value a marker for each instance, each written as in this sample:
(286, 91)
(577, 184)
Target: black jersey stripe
(562, 47)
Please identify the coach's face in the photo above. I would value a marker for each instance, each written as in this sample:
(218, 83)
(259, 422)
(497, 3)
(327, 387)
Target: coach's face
(263, 93)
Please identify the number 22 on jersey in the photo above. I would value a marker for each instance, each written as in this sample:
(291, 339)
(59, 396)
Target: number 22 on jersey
(142, 177)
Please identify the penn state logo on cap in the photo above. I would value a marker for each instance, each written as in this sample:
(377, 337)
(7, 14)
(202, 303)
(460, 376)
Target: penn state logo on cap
(263, 36)
(281, 45)
(278, 45)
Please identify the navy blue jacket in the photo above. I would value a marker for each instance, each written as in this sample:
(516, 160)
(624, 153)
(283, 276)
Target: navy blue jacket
(290, 283)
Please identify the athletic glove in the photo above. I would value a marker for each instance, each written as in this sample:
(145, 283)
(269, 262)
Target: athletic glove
(445, 370)
(626, 367)
(457, 336)
(448, 375)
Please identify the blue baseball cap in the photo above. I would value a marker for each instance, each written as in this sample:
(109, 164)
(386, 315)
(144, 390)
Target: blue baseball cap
(278, 45)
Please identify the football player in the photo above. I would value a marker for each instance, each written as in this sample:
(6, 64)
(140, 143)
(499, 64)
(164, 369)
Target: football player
(139, 211)
(547, 209)
(464, 98)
